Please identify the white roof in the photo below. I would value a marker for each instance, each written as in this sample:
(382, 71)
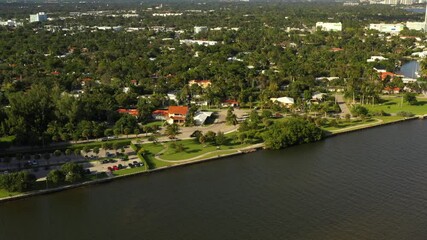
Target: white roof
(284, 100)
(200, 117)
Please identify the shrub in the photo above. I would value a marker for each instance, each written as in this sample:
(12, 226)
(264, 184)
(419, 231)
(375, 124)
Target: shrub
(404, 114)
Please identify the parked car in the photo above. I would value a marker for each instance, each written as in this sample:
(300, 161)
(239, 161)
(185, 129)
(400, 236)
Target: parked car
(131, 165)
(105, 161)
(115, 168)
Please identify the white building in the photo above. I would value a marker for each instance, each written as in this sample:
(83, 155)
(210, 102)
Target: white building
(416, 25)
(407, 2)
(200, 29)
(391, 2)
(10, 23)
(285, 101)
(376, 58)
(198, 42)
(329, 26)
(387, 28)
(38, 17)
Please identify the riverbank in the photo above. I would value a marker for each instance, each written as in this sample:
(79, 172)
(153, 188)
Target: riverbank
(210, 157)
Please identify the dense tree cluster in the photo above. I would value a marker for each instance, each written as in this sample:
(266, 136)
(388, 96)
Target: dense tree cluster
(17, 181)
(293, 131)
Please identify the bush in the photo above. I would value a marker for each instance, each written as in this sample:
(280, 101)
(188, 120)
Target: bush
(379, 113)
(404, 114)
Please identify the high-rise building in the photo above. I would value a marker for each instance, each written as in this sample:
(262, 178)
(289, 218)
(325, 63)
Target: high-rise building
(391, 2)
(38, 17)
(407, 2)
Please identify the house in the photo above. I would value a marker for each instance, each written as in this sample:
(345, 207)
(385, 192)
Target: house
(384, 75)
(317, 97)
(326, 78)
(389, 90)
(409, 80)
(336, 49)
(160, 114)
(202, 83)
(132, 112)
(376, 58)
(230, 103)
(285, 101)
(177, 114)
(200, 117)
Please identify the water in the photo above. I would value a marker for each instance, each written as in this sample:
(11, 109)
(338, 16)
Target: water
(365, 185)
(409, 69)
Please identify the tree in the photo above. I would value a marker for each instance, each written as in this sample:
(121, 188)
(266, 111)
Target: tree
(55, 176)
(57, 153)
(359, 110)
(86, 149)
(68, 151)
(202, 139)
(210, 136)
(77, 152)
(231, 118)
(96, 150)
(116, 132)
(73, 172)
(172, 130)
(136, 131)
(108, 132)
(410, 98)
(127, 131)
(18, 181)
(220, 138)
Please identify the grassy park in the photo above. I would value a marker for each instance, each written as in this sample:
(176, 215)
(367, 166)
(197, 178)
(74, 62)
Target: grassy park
(394, 104)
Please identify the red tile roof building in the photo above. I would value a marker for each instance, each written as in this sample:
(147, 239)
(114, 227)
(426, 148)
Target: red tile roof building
(132, 112)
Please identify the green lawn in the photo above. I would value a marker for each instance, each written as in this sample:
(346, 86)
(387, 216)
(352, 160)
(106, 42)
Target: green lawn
(129, 171)
(193, 149)
(4, 193)
(393, 104)
(150, 159)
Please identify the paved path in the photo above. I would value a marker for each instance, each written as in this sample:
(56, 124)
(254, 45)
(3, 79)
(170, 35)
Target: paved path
(343, 106)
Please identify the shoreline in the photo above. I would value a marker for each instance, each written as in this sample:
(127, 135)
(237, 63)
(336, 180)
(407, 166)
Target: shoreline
(252, 148)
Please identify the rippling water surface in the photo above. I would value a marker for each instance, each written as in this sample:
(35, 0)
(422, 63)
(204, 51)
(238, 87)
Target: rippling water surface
(365, 185)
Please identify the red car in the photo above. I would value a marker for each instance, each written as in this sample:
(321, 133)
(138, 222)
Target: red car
(115, 168)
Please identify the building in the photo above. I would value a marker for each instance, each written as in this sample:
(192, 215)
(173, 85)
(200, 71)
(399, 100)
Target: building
(177, 114)
(285, 101)
(335, 27)
(386, 28)
(376, 59)
(160, 114)
(200, 29)
(407, 2)
(200, 117)
(38, 17)
(230, 103)
(391, 2)
(202, 83)
(132, 112)
(419, 26)
(198, 42)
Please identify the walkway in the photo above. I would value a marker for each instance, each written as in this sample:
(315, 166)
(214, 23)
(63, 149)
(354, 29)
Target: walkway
(339, 98)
